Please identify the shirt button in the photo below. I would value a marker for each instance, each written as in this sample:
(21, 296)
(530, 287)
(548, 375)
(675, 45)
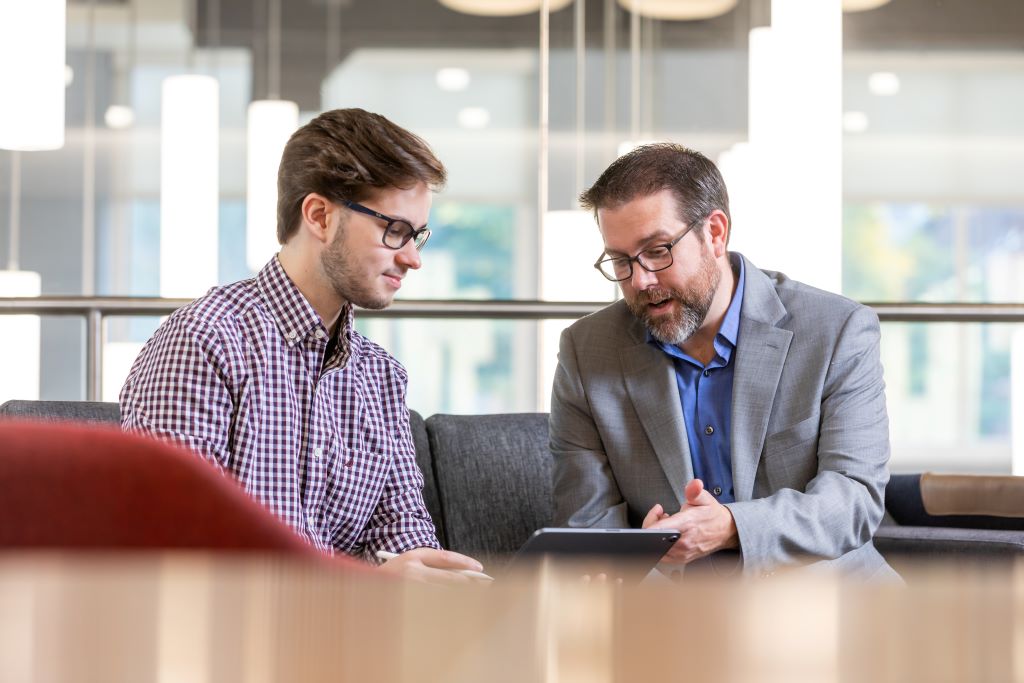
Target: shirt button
(717, 490)
(320, 334)
(310, 519)
(709, 430)
(707, 372)
(292, 334)
(318, 453)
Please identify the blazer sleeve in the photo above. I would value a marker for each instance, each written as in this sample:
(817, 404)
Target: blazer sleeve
(840, 508)
(585, 491)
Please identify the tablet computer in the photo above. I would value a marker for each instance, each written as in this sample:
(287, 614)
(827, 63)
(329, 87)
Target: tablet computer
(624, 553)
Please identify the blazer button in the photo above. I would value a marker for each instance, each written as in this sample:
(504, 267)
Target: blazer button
(709, 430)
(717, 490)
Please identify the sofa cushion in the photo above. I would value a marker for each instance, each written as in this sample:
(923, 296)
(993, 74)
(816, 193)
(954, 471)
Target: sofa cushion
(494, 479)
(63, 411)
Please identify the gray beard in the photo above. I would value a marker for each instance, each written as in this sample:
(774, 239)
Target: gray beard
(694, 304)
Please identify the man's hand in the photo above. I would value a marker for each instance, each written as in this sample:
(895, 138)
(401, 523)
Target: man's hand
(704, 525)
(432, 566)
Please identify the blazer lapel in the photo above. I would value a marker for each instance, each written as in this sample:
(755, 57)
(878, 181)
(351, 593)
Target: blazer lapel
(760, 356)
(651, 382)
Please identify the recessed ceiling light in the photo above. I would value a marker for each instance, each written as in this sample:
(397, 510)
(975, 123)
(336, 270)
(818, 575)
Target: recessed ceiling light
(855, 121)
(452, 79)
(119, 116)
(884, 83)
(474, 117)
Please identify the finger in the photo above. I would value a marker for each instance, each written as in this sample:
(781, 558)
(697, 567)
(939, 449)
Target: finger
(693, 491)
(441, 576)
(448, 559)
(669, 522)
(653, 515)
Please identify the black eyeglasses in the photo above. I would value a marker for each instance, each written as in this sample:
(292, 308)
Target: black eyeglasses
(652, 259)
(397, 232)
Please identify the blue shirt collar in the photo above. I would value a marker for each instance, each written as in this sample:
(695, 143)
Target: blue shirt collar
(730, 330)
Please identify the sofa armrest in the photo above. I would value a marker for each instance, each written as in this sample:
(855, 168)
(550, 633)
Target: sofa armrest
(924, 542)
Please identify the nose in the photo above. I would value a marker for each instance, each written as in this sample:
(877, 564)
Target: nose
(641, 278)
(409, 256)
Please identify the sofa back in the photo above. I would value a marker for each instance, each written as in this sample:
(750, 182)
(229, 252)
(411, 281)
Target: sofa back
(493, 476)
(487, 486)
(62, 411)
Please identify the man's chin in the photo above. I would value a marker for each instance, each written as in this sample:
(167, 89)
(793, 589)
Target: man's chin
(373, 304)
(668, 328)
(371, 301)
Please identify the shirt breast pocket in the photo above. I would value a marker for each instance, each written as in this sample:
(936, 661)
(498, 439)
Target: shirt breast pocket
(790, 455)
(357, 477)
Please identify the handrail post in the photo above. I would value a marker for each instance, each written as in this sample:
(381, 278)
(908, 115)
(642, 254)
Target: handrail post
(94, 354)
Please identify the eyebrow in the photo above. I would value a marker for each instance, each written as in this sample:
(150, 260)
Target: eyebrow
(652, 240)
(401, 218)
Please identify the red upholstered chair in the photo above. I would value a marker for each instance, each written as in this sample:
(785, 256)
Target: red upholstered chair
(67, 486)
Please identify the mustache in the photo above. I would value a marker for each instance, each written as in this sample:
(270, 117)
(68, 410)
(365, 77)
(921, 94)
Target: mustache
(650, 296)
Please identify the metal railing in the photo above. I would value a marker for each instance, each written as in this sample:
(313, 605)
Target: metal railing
(95, 310)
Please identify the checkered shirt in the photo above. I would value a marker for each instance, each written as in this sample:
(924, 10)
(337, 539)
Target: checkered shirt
(239, 377)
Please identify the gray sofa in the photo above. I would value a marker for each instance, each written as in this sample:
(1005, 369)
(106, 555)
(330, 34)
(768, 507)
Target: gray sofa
(488, 486)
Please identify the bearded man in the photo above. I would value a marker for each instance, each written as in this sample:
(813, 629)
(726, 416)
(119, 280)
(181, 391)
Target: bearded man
(268, 379)
(742, 408)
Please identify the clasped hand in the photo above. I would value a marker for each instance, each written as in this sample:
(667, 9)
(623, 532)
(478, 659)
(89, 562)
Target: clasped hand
(704, 525)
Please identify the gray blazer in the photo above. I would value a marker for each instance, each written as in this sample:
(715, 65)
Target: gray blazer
(810, 434)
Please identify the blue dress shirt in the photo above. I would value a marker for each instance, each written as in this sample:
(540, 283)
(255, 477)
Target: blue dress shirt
(705, 393)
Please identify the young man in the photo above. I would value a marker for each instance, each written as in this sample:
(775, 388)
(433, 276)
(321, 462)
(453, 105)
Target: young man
(740, 407)
(268, 378)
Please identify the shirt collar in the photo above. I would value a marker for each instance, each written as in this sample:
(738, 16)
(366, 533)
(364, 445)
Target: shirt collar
(730, 329)
(294, 315)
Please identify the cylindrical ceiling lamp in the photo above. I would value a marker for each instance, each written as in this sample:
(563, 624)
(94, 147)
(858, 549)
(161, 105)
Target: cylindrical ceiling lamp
(502, 8)
(679, 10)
(270, 124)
(19, 339)
(189, 190)
(32, 74)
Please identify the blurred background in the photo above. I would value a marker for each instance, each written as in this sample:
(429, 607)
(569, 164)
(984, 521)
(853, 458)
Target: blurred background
(871, 148)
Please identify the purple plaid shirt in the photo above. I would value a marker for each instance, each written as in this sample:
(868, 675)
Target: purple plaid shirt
(239, 376)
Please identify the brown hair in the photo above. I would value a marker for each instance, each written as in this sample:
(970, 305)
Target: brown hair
(692, 178)
(347, 154)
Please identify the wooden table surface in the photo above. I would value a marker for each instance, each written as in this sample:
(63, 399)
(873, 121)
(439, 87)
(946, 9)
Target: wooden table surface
(212, 618)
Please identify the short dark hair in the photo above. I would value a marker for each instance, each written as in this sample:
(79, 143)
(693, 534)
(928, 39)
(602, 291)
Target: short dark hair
(347, 154)
(691, 177)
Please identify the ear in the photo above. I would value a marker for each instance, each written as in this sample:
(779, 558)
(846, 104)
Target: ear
(718, 231)
(316, 213)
